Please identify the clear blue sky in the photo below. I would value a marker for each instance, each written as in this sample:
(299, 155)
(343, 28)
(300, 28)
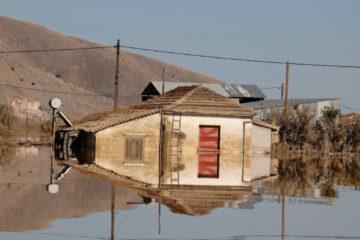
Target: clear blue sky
(322, 31)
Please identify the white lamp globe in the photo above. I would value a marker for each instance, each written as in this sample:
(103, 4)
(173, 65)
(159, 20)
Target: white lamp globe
(55, 103)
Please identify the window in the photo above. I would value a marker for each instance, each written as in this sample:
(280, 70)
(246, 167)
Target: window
(134, 149)
(208, 151)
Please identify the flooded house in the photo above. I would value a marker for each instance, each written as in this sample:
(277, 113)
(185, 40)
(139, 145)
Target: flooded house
(206, 139)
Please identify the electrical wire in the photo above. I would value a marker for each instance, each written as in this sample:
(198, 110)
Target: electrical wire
(268, 88)
(63, 92)
(95, 95)
(240, 59)
(350, 108)
(262, 74)
(129, 96)
(189, 54)
(54, 50)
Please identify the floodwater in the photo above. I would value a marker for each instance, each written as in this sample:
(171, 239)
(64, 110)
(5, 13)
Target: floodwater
(82, 208)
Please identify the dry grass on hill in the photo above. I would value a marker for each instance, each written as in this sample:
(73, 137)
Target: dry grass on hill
(85, 72)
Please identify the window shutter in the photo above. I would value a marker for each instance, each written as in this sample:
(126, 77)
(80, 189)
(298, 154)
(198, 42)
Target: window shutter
(134, 152)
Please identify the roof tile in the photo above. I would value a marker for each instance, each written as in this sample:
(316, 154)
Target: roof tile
(196, 100)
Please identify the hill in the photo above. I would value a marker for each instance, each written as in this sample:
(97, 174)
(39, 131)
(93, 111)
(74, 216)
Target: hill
(29, 80)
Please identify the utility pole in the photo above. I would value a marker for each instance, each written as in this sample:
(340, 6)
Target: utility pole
(116, 93)
(287, 87)
(112, 211)
(116, 87)
(161, 144)
(159, 214)
(161, 148)
(282, 216)
(282, 91)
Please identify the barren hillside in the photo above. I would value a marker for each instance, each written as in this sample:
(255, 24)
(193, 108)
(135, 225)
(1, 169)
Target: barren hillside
(88, 72)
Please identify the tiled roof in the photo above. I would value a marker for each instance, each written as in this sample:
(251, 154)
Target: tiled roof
(226, 90)
(100, 121)
(197, 100)
(194, 100)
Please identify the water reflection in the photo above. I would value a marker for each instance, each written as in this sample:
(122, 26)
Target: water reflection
(102, 205)
(26, 205)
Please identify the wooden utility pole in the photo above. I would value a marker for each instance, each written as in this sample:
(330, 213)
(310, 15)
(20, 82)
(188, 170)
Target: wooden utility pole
(116, 87)
(116, 93)
(112, 211)
(159, 213)
(287, 87)
(161, 143)
(282, 216)
(161, 148)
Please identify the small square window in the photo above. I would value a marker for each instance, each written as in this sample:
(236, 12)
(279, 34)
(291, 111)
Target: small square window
(134, 149)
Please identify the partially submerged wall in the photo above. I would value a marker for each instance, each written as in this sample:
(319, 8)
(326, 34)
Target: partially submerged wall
(110, 149)
(231, 171)
(234, 163)
(261, 158)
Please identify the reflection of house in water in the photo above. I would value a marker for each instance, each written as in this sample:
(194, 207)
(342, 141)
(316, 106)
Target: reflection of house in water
(296, 192)
(264, 135)
(189, 200)
(207, 140)
(249, 204)
(196, 201)
(25, 204)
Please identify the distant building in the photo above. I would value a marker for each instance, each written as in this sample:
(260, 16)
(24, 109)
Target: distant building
(315, 105)
(239, 92)
(208, 140)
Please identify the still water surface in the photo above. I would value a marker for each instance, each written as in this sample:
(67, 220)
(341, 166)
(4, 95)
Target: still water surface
(82, 209)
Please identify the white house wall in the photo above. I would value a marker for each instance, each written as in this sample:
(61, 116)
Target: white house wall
(110, 149)
(231, 151)
(261, 157)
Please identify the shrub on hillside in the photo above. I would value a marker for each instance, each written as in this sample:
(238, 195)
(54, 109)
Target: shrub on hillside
(7, 121)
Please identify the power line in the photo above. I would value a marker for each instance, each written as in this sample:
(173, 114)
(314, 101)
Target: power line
(186, 54)
(54, 50)
(263, 74)
(128, 96)
(240, 59)
(91, 94)
(200, 55)
(268, 88)
(51, 91)
(63, 92)
(350, 108)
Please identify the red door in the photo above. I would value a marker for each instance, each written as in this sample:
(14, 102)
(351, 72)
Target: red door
(208, 154)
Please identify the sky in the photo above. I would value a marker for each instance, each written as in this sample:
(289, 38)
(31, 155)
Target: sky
(322, 31)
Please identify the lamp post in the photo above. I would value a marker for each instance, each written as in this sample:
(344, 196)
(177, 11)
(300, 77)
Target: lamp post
(55, 104)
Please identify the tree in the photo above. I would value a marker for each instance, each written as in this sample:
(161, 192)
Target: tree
(333, 132)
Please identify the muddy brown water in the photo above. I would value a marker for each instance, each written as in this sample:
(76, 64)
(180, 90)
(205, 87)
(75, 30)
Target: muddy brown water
(82, 209)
